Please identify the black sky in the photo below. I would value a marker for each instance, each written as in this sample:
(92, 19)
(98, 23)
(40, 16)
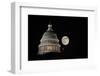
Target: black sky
(76, 28)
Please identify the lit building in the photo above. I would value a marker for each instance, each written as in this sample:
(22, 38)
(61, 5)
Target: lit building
(49, 42)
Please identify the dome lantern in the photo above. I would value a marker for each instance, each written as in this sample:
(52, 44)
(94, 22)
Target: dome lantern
(50, 27)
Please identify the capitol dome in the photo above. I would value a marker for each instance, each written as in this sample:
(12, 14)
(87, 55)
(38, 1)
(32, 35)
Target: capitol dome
(49, 42)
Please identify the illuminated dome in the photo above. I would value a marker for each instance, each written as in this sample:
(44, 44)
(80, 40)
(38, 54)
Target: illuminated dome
(49, 42)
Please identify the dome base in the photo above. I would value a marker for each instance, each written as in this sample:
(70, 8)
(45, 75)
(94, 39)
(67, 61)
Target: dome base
(45, 52)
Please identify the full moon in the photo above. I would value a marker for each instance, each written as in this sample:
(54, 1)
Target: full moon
(65, 40)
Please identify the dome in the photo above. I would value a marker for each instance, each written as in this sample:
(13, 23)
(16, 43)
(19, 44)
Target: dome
(49, 34)
(49, 42)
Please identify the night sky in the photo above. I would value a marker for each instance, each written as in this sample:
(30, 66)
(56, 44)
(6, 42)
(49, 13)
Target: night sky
(76, 28)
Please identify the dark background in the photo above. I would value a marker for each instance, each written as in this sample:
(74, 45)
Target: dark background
(76, 28)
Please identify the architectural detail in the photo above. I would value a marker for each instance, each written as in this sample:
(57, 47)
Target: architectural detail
(49, 42)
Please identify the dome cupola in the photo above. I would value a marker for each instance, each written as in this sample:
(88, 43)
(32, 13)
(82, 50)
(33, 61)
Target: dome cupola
(49, 42)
